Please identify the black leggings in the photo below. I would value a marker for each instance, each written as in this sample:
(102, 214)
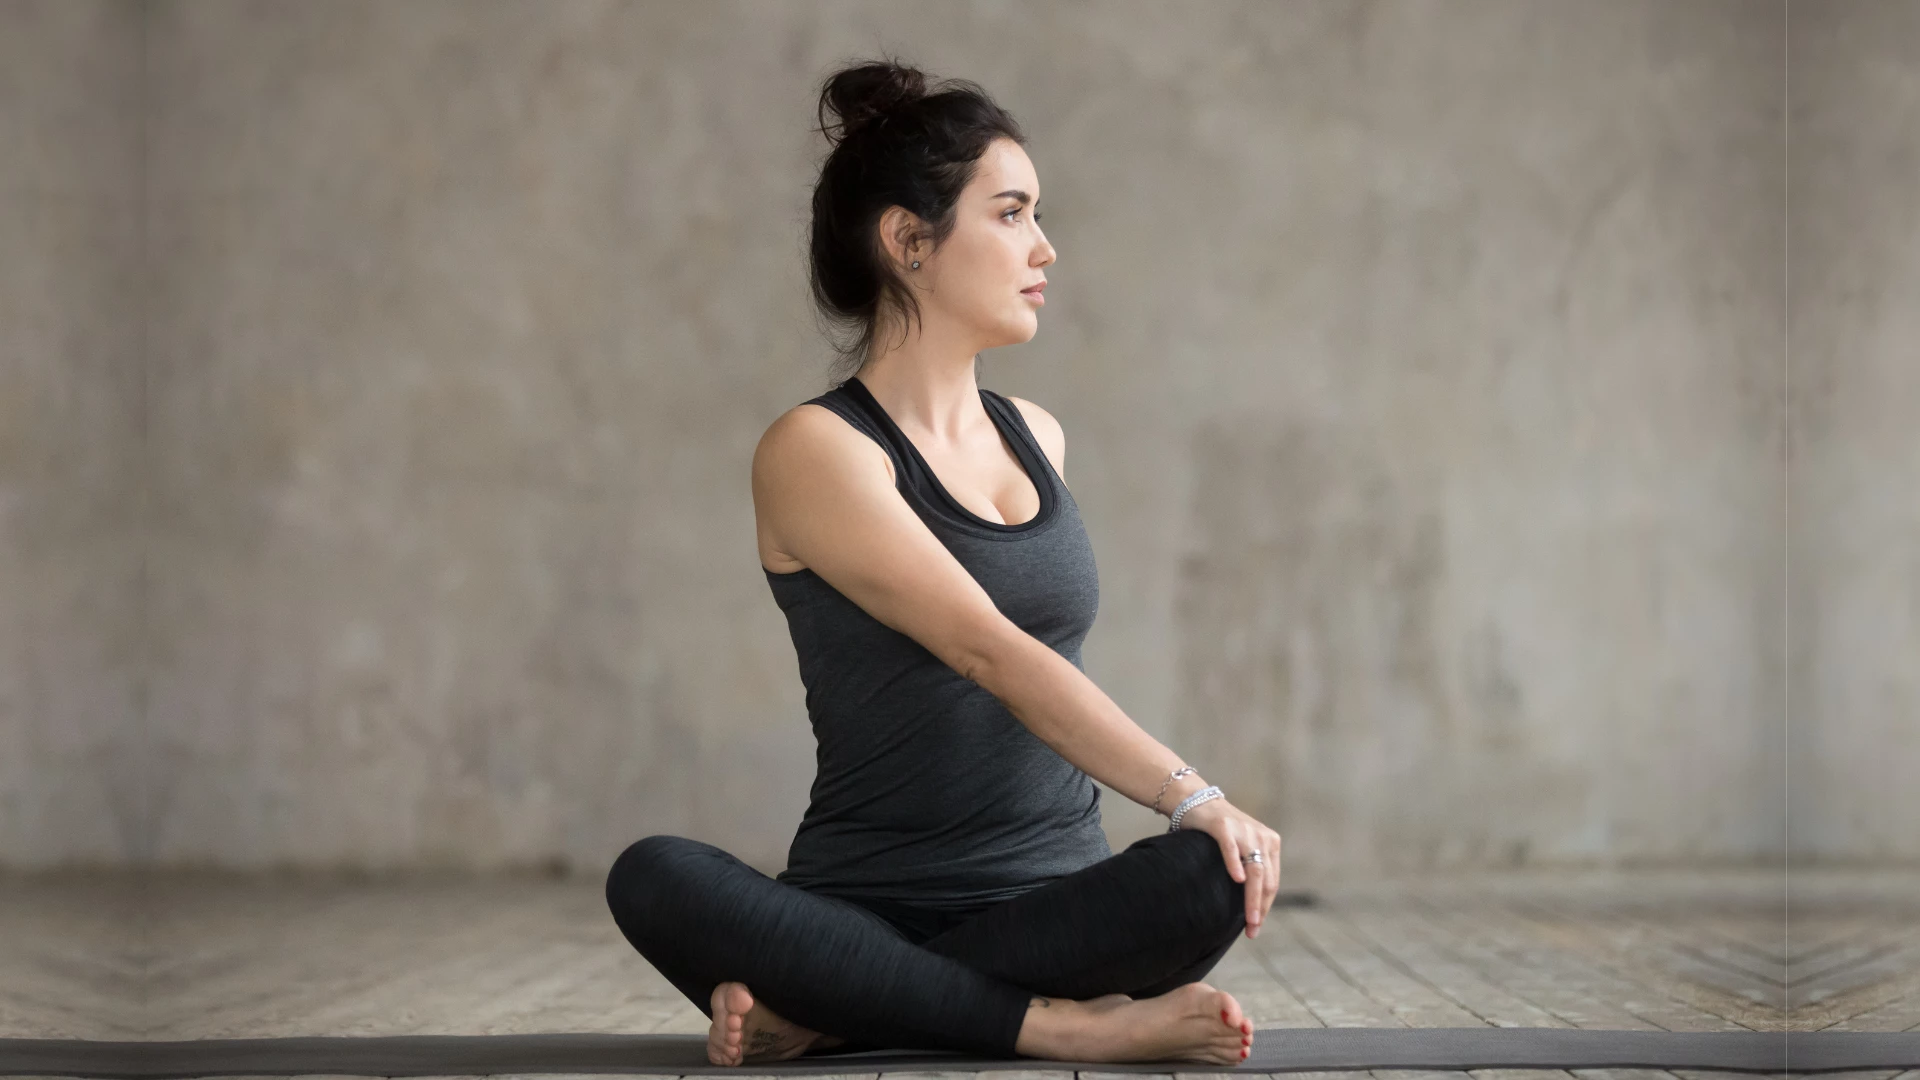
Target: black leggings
(1156, 916)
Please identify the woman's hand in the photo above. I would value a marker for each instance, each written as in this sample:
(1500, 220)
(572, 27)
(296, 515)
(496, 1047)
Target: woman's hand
(1239, 834)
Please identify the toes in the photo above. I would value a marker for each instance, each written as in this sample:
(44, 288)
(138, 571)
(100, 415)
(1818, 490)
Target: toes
(1233, 1055)
(731, 998)
(1232, 1016)
(739, 998)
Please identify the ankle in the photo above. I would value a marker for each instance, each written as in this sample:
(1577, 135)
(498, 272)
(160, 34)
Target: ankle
(1058, 1028)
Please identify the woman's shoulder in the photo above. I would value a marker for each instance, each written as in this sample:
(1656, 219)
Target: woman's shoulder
(1046, 431)
(815, 429)
(804, 449)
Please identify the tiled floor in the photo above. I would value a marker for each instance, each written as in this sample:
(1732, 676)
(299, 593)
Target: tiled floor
(208, 956)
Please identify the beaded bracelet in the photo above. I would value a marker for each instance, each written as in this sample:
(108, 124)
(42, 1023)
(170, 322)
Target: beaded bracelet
(1205, 794)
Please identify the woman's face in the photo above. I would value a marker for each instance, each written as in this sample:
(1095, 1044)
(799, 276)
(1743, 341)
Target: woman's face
(975, 283)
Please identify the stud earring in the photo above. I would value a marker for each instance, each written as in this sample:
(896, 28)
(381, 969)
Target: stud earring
(916, 264)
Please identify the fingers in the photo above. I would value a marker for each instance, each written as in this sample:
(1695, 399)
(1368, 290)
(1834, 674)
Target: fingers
(1256, 889)
(1241, 837)
(1258, 896)
(1230, 848)
(1265, 866)
(1276, 868)
(1264, 884)
(1271, 849)
(1230, 851)
(1271, 879)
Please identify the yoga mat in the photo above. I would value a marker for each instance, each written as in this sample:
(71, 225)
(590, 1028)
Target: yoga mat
(1274, 1050)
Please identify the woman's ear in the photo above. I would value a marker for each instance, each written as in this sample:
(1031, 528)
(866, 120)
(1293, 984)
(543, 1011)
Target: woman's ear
(900, 232)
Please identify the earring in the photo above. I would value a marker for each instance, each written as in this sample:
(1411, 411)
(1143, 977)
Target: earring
(916, 264)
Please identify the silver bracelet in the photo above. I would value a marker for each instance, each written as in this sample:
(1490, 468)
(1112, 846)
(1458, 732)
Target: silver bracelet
(1177, 774)
(1191, 801)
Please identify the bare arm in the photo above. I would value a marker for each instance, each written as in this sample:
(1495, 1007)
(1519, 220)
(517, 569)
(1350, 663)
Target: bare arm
(825, 491)
(1066, 710)
(1116, 751)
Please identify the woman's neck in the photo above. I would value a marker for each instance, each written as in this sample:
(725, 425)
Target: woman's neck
(940, 399)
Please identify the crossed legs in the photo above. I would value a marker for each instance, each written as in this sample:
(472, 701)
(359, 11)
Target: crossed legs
(1048, 973)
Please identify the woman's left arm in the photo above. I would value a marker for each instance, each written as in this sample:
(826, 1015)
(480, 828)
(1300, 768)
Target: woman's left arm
(1056, 701)
(1093, 733)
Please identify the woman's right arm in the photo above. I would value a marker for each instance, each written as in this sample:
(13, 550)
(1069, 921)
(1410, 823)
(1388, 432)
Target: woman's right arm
(824, 493)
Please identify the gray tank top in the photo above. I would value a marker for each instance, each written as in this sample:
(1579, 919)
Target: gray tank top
(927, 790)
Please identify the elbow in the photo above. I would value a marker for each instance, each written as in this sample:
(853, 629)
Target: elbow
(971, 658)
(987, 653)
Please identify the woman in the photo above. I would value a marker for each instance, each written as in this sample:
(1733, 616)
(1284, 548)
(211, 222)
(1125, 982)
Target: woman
(950, 886)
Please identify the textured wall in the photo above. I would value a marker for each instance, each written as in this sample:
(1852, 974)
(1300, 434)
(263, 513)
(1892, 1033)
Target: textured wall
(1420, 365)
(71, 636)
(1854, 484)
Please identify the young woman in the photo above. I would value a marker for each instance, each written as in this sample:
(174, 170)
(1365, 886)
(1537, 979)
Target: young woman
(950, 886)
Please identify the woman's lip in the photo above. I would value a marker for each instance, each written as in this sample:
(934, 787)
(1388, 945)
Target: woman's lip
(1033, 294)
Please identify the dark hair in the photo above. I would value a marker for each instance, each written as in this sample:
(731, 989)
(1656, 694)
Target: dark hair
(894, 144)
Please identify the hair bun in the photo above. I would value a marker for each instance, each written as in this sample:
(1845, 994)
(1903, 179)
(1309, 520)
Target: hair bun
(867, 94)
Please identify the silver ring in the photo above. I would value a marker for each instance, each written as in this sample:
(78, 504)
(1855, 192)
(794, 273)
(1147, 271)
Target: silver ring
(1252, 856)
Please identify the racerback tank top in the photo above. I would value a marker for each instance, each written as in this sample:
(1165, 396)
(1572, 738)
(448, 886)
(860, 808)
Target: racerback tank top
(928, 791)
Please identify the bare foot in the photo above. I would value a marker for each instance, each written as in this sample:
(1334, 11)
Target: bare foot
(1195, 1022)
(745, 1030)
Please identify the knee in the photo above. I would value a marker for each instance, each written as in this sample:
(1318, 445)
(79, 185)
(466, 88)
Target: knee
(645, 874)
(1199, 863)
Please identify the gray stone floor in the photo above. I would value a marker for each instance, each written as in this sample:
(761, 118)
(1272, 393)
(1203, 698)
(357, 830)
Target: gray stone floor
(180, 956)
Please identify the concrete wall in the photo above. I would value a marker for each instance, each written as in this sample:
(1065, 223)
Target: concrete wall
(1421, 368)
(1854, 482)
(71, 433)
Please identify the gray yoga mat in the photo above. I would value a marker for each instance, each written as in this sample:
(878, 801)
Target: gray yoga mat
(1274, 1050)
